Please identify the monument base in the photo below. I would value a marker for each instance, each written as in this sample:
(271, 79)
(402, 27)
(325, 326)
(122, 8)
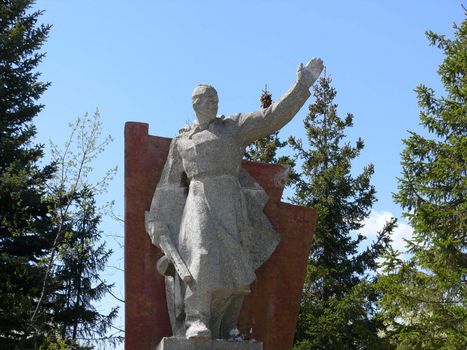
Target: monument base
(174, 343)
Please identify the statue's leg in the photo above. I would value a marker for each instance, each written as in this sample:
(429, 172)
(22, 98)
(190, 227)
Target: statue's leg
(197, 313)
(232, 312)
(219, 304)
(175, 291)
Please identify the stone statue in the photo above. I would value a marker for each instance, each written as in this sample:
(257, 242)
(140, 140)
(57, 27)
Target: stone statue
(207, 213)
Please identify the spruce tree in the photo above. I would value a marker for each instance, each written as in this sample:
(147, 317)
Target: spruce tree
(338, 301)
(25, 228)
(81, 258)
(425, 294)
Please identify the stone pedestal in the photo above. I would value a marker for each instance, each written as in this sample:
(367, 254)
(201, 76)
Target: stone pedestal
(173, 343)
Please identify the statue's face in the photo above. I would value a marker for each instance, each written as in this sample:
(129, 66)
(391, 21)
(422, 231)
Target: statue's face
(205, 103)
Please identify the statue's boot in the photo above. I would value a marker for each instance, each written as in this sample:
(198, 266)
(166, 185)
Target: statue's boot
(230, 317)
(225, 309)
(197, 329)
(197, 311)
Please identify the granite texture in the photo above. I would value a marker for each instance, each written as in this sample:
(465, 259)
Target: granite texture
(204, 344)
(207, 213)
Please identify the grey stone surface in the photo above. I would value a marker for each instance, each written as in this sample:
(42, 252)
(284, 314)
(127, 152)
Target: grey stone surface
(207, 214)
(206, 344)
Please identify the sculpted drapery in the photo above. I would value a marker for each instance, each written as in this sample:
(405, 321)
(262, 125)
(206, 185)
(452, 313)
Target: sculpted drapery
(207, 213)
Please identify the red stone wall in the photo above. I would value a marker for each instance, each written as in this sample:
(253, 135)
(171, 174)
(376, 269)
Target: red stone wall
(270, 311)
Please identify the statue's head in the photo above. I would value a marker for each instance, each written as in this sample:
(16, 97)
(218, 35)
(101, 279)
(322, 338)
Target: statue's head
(205, 103)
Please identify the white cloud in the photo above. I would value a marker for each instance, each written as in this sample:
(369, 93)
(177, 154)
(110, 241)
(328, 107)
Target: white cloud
(375, 222)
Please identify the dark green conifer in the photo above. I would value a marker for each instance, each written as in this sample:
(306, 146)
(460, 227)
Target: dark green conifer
(338, 302)
(425, 295)
(25, 227)
(81, 259)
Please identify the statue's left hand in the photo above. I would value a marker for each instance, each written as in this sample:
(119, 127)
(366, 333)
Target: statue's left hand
(308, 74)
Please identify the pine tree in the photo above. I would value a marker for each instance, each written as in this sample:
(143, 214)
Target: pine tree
(81, 258)
(24, 221)
(338, 302)
(425, 295)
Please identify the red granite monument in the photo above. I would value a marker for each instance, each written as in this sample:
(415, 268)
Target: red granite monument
(269, 313)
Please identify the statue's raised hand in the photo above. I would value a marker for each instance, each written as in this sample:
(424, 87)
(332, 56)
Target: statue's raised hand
(308, 74)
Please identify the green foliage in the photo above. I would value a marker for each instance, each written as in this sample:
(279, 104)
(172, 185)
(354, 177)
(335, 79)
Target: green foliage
(264, 149)
(77, 255)
(25, 225)
(56, 344)
(425, 295)
(81, 258)
(44, 211)
(338, 302)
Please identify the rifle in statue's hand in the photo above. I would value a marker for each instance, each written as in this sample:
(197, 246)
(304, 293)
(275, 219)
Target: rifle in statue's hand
(161, 238)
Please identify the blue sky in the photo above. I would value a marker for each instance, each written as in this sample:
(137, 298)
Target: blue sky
(139, 61)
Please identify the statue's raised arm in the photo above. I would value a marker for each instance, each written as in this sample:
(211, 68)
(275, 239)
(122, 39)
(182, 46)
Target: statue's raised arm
(204, 217)
(263, 122)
